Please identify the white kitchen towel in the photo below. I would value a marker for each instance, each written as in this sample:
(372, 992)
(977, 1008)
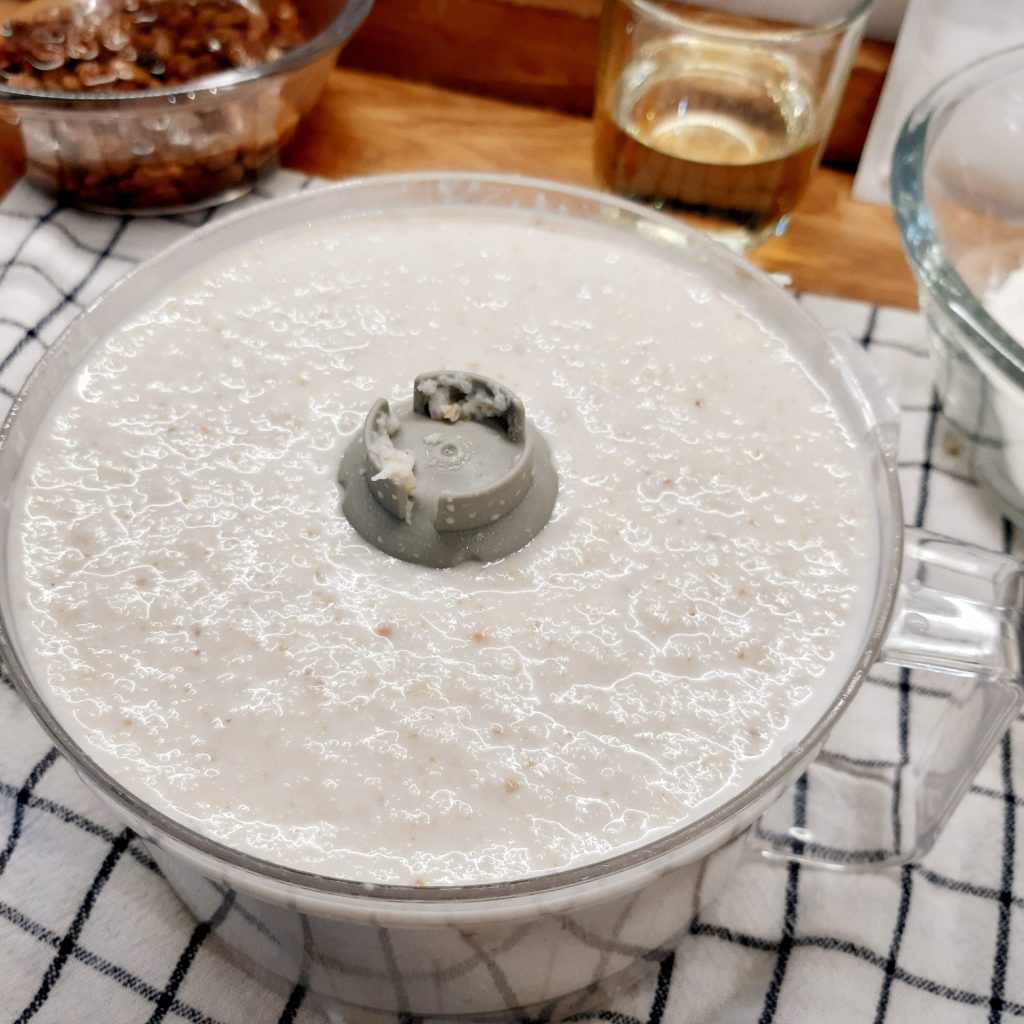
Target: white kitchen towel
(89, 931)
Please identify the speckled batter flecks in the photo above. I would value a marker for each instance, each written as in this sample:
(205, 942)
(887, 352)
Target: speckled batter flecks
(205, 620)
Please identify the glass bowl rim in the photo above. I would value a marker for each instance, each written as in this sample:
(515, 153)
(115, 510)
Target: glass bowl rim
(445, 183)
(336, 33)
(932, 267)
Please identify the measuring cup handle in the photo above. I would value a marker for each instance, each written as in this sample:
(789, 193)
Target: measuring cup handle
(958, 612)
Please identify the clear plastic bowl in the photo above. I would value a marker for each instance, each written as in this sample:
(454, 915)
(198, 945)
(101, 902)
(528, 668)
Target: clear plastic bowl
(184, 147)
(958, 194)
(473, 949)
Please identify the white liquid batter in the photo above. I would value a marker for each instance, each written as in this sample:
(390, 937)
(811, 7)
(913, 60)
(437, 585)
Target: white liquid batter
(209, 626)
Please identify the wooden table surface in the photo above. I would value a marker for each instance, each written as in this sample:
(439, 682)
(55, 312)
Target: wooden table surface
(367, 124)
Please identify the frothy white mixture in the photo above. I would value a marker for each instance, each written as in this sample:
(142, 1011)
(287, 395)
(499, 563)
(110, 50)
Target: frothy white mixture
(206, 622)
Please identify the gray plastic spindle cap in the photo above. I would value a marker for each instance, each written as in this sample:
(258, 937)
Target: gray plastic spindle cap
(460, 474)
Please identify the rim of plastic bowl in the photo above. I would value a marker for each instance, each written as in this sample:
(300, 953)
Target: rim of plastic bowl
(335, 34)
(932, 266)
(648, 852)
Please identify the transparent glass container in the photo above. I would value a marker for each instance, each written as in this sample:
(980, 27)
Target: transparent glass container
(958, 195)
(719, 110)
(488, 948)
(183, 147)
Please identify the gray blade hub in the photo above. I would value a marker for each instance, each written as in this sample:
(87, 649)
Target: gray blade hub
(460, 474)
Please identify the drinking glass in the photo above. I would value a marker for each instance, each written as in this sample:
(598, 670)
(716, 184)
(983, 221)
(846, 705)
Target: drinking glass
(719, 111)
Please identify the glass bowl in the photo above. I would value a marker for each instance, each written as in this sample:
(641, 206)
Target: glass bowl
(958, 195)
(473, 949)
(183, 147)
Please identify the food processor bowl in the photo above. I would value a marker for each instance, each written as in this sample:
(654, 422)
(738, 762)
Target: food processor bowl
(474, 949)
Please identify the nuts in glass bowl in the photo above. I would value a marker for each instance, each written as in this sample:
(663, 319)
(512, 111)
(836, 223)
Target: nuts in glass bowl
(143, 44)
(163, 105)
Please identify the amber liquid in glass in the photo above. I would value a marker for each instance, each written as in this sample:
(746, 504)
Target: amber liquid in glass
(722, 133)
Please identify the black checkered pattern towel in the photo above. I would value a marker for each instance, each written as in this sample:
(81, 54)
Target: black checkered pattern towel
(90, 932)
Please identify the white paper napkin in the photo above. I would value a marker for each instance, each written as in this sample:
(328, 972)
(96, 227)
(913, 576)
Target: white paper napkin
(937, 38)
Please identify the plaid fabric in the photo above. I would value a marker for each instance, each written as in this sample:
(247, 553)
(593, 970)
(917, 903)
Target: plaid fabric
(90, 932)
